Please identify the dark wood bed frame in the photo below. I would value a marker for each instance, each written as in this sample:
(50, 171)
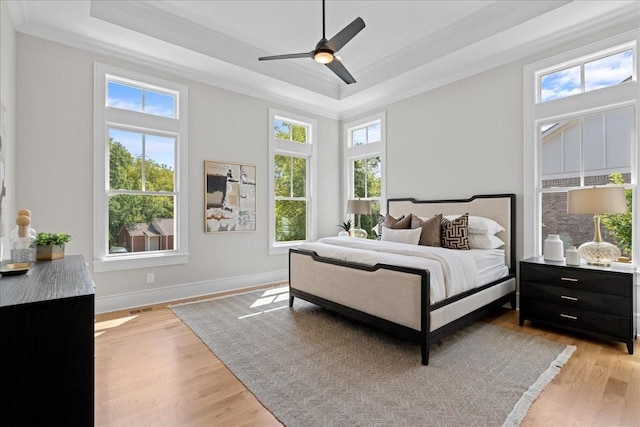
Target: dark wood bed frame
(423, 336)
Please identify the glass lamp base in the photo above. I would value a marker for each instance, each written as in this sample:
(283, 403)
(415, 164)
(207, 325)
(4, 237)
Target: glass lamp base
(599, 253)
(359, 232)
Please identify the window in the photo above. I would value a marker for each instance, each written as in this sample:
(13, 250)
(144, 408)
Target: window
(581, 137)
(129, 97)
(364, 165)
(608, 69)
(291, 183)
(140, 170)
(594, 149)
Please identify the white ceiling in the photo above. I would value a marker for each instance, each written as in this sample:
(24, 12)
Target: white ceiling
(407, 47)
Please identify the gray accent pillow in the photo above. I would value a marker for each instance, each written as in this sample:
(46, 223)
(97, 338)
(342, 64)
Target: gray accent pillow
(430, 234)
(399, 223)
(391, 222)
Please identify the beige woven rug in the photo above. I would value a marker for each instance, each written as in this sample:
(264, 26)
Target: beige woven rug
(311, 367)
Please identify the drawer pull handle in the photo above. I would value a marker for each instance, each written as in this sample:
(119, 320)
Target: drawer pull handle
(569, 298)
(566, 316)
(568, 279)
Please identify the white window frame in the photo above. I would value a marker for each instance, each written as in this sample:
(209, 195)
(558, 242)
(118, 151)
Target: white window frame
(352, 153)
(536, 113)
(291, 148)
(580, 61)
(106, 117)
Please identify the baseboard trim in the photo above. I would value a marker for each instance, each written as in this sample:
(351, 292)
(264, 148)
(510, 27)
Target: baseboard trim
(165, 294)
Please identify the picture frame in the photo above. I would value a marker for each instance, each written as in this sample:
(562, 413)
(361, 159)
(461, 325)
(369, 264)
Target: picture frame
(229, 197)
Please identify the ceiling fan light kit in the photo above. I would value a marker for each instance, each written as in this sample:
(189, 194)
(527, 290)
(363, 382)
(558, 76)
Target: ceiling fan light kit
(325, 50)
(323, 57)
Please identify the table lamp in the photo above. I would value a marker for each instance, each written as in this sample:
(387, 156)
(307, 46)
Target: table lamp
(359, 207)
(597, 201)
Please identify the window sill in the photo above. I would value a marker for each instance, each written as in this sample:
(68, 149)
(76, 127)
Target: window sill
(114, 263)
(283, 248)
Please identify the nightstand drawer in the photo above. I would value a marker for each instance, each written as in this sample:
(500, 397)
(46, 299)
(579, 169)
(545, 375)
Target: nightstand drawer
(580, 319)
(589, 280)
(578, 299)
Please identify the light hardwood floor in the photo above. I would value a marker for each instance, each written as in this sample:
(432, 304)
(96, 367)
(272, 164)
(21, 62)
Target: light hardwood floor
(151, 370)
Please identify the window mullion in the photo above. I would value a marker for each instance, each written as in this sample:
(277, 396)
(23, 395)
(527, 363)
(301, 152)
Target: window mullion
(291, 176)
(583, 152)
(143, 179)
(366, 177)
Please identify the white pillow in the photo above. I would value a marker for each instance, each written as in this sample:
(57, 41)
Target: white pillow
(403, 235)
(484, 241)
(480, 224)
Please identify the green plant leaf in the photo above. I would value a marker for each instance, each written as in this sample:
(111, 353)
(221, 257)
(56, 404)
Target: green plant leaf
(44, 239)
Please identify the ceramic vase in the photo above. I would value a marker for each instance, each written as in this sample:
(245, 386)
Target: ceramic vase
(553, 248)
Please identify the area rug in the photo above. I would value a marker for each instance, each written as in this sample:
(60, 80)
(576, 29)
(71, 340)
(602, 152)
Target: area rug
(311, 367)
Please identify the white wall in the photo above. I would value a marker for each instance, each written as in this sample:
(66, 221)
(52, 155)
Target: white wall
(55, 175)
(8, 99)
(458, 140)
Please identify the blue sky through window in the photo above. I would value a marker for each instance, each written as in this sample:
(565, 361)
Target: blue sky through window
(281, 129)
(366, 135)
(608, 71)
(137, 99)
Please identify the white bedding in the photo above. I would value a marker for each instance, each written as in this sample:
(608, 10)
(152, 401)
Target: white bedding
(451, 271)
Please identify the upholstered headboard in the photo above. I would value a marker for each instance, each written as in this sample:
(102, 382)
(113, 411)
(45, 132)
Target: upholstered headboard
(498, 207)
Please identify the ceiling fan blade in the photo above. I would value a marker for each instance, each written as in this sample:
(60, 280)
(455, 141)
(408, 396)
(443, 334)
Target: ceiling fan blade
(337, 67)
(287, 56)
(338, 41)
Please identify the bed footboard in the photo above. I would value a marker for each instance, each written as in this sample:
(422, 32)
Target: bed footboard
(388, 297)
(392, 298)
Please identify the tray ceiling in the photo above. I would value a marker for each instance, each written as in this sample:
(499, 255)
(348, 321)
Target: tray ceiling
(407, 47)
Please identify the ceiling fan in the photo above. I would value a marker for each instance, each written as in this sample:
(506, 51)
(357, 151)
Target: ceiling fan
(325, 50)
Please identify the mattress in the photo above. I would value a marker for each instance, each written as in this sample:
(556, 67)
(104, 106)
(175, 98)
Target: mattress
(490, 264)
(450, 271)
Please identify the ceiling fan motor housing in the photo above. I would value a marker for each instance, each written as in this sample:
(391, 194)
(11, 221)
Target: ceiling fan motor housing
(322, 53)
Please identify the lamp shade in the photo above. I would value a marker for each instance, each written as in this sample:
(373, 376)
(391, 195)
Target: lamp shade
(596, 200)
(360, 207)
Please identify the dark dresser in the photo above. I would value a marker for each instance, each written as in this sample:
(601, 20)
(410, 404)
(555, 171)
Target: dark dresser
(47, 345)
(597, 301)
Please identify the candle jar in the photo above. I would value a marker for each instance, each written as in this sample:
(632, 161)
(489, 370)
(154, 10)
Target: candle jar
(573, 256)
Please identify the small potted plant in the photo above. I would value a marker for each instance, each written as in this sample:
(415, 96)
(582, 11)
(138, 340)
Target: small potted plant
(50, 246)
(346, 228)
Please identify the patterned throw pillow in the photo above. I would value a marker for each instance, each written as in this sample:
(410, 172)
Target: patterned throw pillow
(430, 235)
(454, 234)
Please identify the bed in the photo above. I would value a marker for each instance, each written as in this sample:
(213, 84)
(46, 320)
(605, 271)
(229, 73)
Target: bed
(405, 289)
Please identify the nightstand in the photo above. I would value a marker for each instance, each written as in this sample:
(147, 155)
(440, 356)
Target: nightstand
(597, 301)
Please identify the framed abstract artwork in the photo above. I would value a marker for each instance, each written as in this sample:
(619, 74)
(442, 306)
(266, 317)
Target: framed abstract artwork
(230, 197)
